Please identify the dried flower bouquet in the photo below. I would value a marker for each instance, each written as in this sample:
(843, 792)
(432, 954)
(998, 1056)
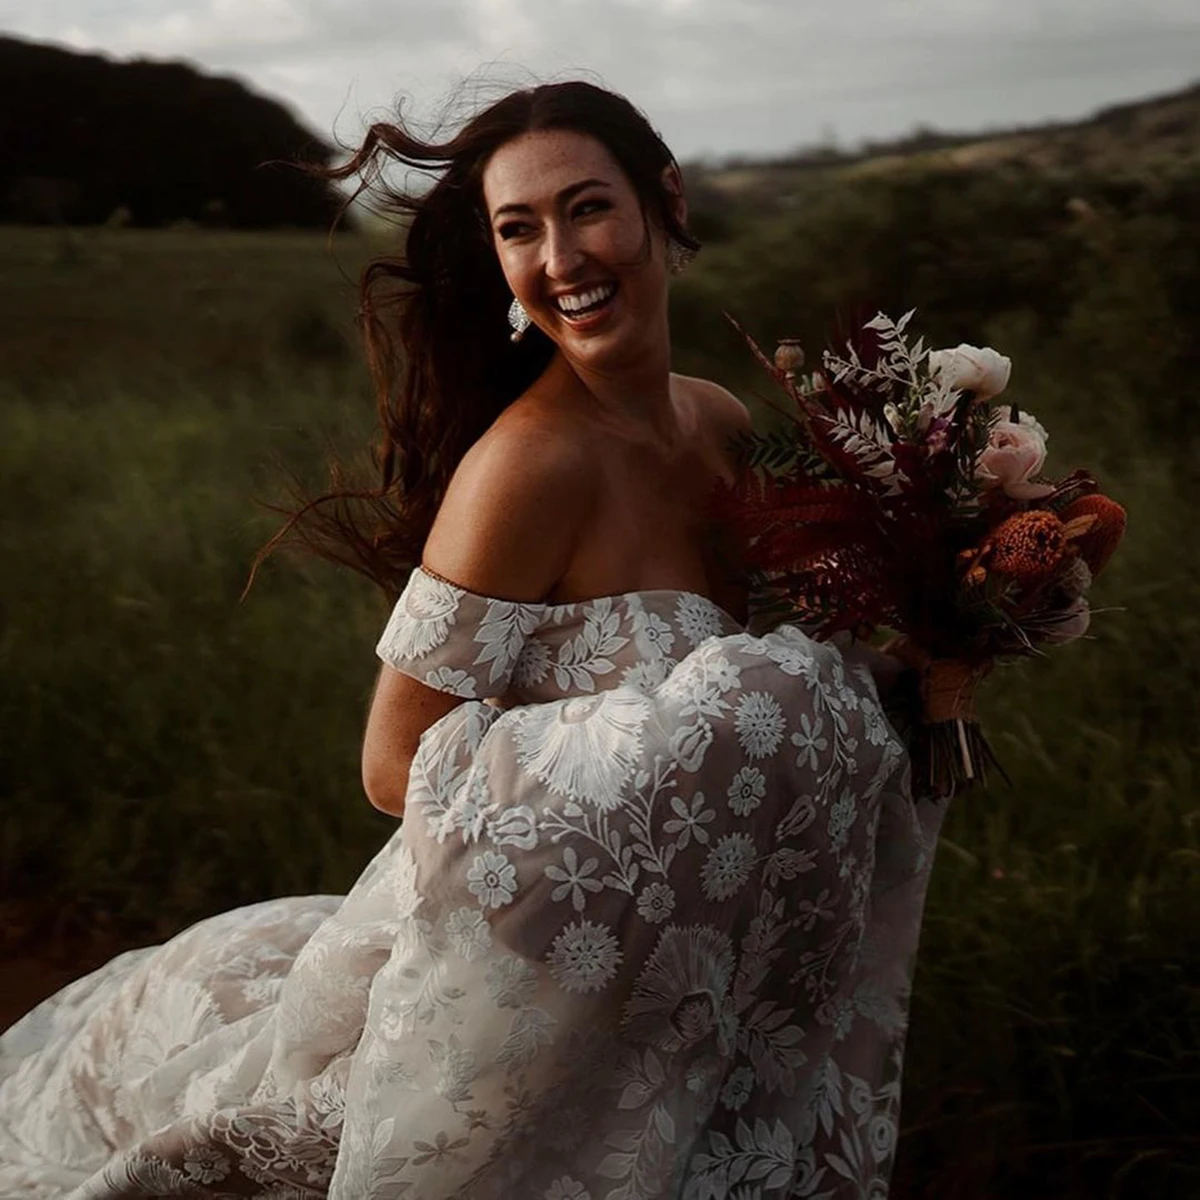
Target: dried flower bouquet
(901, 494)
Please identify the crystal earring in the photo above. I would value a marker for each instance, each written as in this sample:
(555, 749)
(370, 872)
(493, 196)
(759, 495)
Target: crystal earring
(678, 256)
(518, 318)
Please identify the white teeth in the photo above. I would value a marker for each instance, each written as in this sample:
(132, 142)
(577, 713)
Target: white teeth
(578, 301)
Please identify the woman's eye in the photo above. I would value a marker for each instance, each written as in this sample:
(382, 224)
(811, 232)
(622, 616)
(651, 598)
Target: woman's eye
(590, 206)
(511, 229)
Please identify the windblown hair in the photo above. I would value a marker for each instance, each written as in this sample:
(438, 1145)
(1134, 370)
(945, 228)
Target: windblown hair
(434, 318)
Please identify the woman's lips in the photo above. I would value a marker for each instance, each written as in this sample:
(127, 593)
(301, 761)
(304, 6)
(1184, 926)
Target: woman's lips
(591, 317)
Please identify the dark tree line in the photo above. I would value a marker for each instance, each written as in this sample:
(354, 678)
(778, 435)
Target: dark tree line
(83, 138)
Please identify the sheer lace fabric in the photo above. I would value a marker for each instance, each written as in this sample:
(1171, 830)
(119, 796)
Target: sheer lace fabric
(646, 930)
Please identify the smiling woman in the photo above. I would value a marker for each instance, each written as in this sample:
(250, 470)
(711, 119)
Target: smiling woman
(578, 253)
(646, 930)
(434, 318)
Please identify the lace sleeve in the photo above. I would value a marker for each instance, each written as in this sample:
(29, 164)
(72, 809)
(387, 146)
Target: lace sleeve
(454, 640)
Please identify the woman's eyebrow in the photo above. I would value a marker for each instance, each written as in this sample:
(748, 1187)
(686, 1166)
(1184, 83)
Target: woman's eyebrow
(564, 197)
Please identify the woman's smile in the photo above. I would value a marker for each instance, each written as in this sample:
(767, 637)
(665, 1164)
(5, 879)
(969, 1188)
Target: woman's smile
(587, 308)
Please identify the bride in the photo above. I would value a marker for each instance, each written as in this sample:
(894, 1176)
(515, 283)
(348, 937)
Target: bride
(647, 927)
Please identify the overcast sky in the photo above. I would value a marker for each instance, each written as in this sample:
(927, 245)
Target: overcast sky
(717, 77)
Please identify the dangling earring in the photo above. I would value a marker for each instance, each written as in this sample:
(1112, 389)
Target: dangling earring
(678, 256)
(518, 318)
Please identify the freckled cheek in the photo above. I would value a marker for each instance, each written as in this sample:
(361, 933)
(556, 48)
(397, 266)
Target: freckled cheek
(521, 274)
(615, 244)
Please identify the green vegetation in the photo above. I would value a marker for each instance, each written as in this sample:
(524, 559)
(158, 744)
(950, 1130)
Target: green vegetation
(168, 752)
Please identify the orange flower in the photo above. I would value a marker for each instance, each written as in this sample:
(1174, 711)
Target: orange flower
(1028, 546)
(1099, 538)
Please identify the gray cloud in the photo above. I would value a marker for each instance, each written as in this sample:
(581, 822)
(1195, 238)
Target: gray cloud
(717, 76)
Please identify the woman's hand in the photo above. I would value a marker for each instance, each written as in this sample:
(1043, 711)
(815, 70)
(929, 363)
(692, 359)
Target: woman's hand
(887, 668)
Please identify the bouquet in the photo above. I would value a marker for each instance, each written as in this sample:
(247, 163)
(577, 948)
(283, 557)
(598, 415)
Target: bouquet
(902, 494)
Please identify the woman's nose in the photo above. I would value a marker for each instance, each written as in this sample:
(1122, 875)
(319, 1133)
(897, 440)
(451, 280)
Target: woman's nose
(563, 253)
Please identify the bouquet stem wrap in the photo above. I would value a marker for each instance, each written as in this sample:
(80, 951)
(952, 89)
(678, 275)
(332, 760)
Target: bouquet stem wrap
(949, 750)
(955, 753)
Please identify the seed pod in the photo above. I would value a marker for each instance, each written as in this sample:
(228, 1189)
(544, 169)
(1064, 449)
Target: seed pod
(789, 356)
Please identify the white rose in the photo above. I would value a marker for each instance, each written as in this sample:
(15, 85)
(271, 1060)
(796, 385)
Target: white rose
(1015, 451)
(972, 368)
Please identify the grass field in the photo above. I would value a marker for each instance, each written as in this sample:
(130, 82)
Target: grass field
(166, 752)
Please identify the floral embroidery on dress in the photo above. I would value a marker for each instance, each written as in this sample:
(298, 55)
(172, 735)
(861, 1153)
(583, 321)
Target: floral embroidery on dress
(646, 931)
(587, 747)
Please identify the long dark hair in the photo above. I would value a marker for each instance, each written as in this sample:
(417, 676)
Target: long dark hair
(434, 318)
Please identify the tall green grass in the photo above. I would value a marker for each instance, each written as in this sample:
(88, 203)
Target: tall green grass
(166, 751)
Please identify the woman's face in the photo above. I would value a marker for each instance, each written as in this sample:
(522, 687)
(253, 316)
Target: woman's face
(575, 248)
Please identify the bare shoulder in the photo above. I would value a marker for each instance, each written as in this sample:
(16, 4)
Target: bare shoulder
(726, 412)
(515, 507)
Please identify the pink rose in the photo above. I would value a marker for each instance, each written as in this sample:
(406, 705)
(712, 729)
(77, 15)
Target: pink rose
(1015, 451)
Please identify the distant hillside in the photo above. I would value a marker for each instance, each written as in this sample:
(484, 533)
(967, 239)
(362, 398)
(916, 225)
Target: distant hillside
(1119, 141)
(84, 140)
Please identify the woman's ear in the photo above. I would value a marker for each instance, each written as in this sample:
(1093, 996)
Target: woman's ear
(673, 182)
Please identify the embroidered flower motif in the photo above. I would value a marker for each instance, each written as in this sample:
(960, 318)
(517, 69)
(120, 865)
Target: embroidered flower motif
(876, 724)
(724, 675)
(747, 790)
(566, 1188)
(647, 675)
(454, 681)
(573, 878)
(689, 821)
(700, 1078)
(515, 826)
(689, 744)
(204, 1164)
(441, 1147)
(737, 1088)
(469, 933)
(584, 748)
(652, 635)
(881, 1136)
(656, 902)
(728, 866)
(681, 995)
(421, 620)
(492, 879)
(860, 1095)
(808, 740)
(698, 617)
(837, 1013)
(584, 957)
(470, 808)
(760, 724)
(511, 981)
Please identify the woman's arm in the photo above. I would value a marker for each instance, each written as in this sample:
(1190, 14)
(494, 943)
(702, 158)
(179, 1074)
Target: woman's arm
(508, 526)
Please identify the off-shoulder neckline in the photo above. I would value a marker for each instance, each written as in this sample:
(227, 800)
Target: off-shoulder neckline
(548, 607)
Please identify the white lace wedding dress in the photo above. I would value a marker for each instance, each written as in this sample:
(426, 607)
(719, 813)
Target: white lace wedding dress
(645, 931)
